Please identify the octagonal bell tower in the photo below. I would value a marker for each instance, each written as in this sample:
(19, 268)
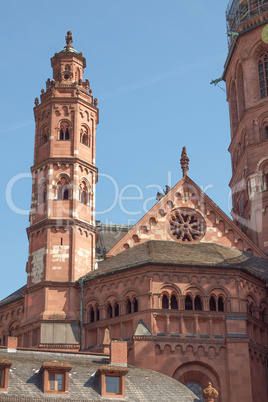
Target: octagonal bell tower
(246, 76)
(62, 232)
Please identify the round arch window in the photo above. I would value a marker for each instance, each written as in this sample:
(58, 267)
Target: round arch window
(196, 388)
(186, 225)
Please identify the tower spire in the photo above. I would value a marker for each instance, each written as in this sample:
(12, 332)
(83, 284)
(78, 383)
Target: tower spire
(184, 162)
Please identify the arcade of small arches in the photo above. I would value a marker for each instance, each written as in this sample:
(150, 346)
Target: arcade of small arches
(112, 309)
(64, 133)
(63, 190)
(192, 303)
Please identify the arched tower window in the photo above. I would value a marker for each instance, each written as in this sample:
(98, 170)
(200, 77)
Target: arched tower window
(128, 307)
(165, 303)
(220, 304)
(91, 315)
(83, 193)
(85, 136)
(116, 309)
(42, 192)
(109, 311)
(198, 303)
(188, 303)
(240, 91)
(233, 108)
(174, 302)
(97, 313)
(263, 74)
(212, 304)
(135, 305)
(64, 131)
(63, 189)
(44, 135)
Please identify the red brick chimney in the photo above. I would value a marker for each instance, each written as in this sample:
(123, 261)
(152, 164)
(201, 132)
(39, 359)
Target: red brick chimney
(118, 353)
(12, 344)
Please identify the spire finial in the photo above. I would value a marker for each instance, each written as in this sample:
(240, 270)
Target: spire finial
(69, 40)
(184, 162)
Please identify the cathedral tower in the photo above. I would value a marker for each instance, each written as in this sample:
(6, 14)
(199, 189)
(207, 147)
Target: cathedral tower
(62, 232)
(246, 76)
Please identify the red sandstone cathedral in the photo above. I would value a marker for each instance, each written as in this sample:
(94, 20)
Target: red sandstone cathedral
(186, 287)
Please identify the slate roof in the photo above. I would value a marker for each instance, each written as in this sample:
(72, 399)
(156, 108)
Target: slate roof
(173, 253)
(18, 294)
(26, 382)
(108, 236)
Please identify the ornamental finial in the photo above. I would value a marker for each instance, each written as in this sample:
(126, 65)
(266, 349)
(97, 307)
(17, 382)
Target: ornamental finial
(210, 393)
(184, 162)
(69, 40)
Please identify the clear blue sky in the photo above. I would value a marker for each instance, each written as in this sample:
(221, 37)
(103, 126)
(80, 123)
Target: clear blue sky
(150, 64)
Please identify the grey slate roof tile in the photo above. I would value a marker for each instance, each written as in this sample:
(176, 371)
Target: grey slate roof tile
(173, 253)
(25, 381)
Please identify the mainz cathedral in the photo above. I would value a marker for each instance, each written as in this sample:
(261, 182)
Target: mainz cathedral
(185, 288)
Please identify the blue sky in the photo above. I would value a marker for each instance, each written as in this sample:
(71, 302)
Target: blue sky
(150, 64)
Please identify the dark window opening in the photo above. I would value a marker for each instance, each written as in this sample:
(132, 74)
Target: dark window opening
(250, 309)
(64, 134)
(188, 303)
(59, 196)
(65, 193)
(165, 303)
(128, 307)
(116, 310)
(91, 315)
(212, 304)
(220, 304)
(174, 302)
(198, 303)
(109, 311)
(135, 305)
(97, 313)
(1, 378)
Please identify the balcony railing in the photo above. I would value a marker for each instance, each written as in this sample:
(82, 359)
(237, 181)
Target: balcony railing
(239, 11)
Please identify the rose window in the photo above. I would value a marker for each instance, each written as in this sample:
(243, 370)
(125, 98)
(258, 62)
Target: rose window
(186, 225)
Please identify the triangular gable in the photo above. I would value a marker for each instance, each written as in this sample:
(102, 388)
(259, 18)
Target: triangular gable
(142, 329)
(204, 222)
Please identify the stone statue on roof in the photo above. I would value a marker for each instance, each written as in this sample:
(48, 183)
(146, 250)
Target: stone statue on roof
(69, 39)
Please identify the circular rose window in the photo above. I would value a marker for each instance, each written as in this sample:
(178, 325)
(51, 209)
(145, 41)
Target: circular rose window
(186, 225)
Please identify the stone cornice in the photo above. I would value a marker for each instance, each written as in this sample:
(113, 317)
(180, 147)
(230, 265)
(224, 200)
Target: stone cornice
(179, 340)
(66, 160)
(69, 222)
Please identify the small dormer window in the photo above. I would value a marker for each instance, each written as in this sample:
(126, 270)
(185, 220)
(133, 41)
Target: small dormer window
(112, 381)
(55, 377)
(113, 385)
(56, 382)
(66, 76)
(5, 365)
